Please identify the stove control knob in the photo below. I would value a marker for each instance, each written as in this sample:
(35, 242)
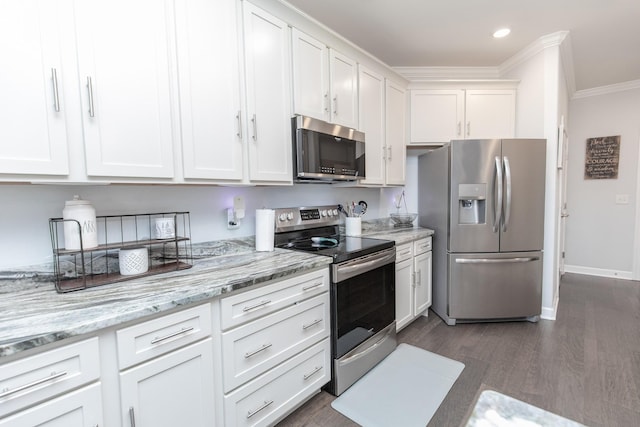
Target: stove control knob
(282, 217)
(335, 212)
(324, 212)
(290, 216)
(330, 212)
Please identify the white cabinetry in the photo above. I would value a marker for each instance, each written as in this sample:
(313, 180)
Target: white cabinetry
(32, 125)
(209, 84)
(125, 82)
(413, 281)
(324, 82)
(53, 377)
(440, 115)
(395, 134)
(162, 382)
(268, 82)
(274, 348)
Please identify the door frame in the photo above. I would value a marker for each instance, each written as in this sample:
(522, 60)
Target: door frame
(635, 274)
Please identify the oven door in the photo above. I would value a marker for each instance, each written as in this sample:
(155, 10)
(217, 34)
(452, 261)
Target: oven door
(363, 296)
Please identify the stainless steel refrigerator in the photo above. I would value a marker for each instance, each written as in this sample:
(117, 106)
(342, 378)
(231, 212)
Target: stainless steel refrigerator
(485, 201)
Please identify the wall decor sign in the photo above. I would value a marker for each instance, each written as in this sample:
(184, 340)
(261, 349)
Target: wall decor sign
(602, 158)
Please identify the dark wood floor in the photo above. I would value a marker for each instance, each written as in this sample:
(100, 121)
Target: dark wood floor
(584, 366)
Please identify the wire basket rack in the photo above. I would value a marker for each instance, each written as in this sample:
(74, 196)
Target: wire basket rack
(83, 268)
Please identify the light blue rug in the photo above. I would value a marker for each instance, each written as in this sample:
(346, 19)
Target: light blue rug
(405, 389)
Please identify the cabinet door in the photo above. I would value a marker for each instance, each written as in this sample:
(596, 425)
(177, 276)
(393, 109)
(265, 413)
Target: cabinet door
(32, 124)
(395, 134)
(436, 115)
(123, 60)
(372, 112)
(268, 85)
(173, 390)
(422, 268)
(209, 79)
(404, 293)
(310, 76)
(490, 113)
(80, 408)
(343, 74)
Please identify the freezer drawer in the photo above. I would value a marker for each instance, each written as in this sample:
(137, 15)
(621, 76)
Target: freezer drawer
(495, 285)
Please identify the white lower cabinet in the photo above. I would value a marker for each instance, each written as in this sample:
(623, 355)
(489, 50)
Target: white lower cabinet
(413, 281)
(279, 356)
(176, 389)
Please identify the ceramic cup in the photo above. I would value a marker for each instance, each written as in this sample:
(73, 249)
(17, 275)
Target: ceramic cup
(133, 261)
(165, 228)
(353, 226)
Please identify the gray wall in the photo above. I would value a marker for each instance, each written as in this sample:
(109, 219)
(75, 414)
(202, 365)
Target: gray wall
(600, 233)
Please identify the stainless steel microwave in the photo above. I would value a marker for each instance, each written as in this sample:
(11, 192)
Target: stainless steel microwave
(326, 152)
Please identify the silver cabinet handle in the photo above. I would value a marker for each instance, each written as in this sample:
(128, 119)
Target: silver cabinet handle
(156, 340)
(326, 102)
(459, 128)
(468, 128)
(389, 150)
(52, 377)
(255, 411)
(255, 127)
(239, 120)
(507, 177)
(315, 285)
(403, 253)
(413, 280)
(335, 105)
(312, 373)
(315, 322)
(92, 112)
(258, 305)
(254, 352)
(497, 204)
(132, 417)
(419, 281)
(56, 97)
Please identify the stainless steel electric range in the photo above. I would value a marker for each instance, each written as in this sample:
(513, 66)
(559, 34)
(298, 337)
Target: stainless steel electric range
(363, 329)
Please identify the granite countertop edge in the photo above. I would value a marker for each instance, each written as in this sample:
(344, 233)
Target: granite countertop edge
(33, 314)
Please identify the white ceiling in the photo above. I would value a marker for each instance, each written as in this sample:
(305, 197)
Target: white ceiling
(605, 34)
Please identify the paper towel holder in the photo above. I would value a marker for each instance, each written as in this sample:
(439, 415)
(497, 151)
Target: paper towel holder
(236, 213)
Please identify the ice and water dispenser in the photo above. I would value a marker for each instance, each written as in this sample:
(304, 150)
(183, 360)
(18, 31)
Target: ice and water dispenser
(471, 203)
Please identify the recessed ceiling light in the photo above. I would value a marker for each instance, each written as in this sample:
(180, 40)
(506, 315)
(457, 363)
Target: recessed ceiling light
(502, 32)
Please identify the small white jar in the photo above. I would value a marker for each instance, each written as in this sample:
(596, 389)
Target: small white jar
(133, 261)
(81, 211)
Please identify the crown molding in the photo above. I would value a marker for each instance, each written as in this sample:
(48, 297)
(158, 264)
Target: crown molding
(417, 74)
(542, 43)
(605, 90)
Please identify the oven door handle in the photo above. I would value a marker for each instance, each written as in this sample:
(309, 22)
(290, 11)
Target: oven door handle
(349, 269)
(390, 330)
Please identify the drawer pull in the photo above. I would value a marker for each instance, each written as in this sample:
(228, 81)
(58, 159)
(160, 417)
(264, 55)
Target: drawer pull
(132, 417)
(253, 307)
(312, 373)
(254, 352)
(264, 405)
(315, 285)
(35, 383)
(407, 252)
(156, 340)
(315, 322)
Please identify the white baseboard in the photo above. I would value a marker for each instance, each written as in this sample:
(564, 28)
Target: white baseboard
(549, 313)
(601, 272)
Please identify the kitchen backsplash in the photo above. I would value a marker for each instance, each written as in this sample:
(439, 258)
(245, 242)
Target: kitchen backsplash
(25, 240)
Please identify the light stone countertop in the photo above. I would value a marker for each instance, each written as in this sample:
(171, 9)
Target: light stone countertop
(33, 314)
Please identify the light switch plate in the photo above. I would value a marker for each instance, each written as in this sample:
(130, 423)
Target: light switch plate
(622, 199)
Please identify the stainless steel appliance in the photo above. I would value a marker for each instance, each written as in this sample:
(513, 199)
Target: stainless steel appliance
(326, 152)
(485, 201)
(363, 328)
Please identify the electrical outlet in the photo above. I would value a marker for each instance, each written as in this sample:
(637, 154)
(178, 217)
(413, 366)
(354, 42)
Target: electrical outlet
(232, 221)
(622, 199)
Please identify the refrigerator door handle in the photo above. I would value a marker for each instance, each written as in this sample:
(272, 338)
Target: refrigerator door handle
(497, 204)
(507, 177)
(496, 260)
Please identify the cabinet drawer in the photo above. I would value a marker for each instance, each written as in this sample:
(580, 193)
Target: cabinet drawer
(252, 349)
(404, 252)
(423, 245)
(270, 397)
(158, 336)
(42, 376)
(250, 305)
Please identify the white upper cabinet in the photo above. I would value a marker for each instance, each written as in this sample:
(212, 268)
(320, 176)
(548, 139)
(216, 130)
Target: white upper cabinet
(268, 82)
(325, 82)
(371, 88)
(490, 114)
(125, 84)
(343, 75)
(440, 115)
(395, 133)
(32, 114)
(209, 84)
(437, 115)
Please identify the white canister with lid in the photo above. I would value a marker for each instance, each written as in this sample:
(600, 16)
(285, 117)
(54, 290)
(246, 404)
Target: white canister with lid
(81, 211)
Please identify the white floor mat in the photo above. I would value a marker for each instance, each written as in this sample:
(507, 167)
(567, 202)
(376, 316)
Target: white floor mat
(405, 389)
